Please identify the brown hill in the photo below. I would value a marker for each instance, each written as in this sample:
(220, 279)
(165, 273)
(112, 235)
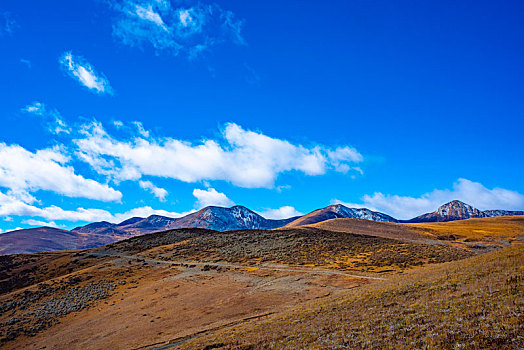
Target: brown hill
(40, 239)
(487, 232)
(31, 240)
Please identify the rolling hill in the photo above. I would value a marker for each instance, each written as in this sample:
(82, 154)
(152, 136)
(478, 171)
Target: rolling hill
(43, 239)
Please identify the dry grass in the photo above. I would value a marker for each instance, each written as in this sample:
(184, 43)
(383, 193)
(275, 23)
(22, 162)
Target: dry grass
(78, 299)
(498, 229)
(477, 303)
(299, 247)
(473, 234)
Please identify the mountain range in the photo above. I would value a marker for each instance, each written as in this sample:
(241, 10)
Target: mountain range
(212, 218)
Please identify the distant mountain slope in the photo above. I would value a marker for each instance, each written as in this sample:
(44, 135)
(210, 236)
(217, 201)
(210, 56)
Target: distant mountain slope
(340, 211)
(457, 210)
(43, 239)
(94, 227)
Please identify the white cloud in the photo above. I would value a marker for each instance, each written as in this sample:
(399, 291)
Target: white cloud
(473, 193)
(191, 29)
(244, 158)
(141, 130)
(284, 212)
(53, 118)
(158, 192)
(145, 212)
(79, 69)
(147, 13)
(22, 171)
(185, 17)
(33, 222)
(11, 205)
(211, 197)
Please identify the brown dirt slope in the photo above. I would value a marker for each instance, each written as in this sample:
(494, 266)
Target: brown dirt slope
(477, 303)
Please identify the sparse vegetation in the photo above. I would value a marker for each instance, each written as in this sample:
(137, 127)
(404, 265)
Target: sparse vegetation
(47, 304)
(308, 246)
(476, 303)
(229, 290)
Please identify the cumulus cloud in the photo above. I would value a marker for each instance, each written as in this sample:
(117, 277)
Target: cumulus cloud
(54, 120)
(80, 70)
(33, 222)
(244, 158)
(22, 171)
(473, 193)
(11, 205)
(158, 192)
(284, 212)
(211, 197)
(190, 29)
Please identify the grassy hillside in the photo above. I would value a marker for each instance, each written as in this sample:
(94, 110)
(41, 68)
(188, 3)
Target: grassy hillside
(304, 287)
(477, 303)
(293, 246)
(483, 233)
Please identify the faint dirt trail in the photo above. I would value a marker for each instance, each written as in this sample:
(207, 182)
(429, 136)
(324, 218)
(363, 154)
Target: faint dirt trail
(260, 267)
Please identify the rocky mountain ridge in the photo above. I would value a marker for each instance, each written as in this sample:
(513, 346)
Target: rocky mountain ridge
(457, 210)
(337, 211)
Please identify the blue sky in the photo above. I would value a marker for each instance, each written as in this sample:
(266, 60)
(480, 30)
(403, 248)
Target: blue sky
(111, 108)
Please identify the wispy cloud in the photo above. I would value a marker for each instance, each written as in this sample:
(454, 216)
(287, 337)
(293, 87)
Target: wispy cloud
(211, 197)
(7, 24)
(26, 62)
(158, 192)
(54, 121)
(80, 70)
(473, 193)
(244, 158)
(190, 29)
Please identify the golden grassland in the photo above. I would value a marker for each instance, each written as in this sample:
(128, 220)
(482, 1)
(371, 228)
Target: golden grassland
(506, 228)
(496, 231)
(476, 303)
